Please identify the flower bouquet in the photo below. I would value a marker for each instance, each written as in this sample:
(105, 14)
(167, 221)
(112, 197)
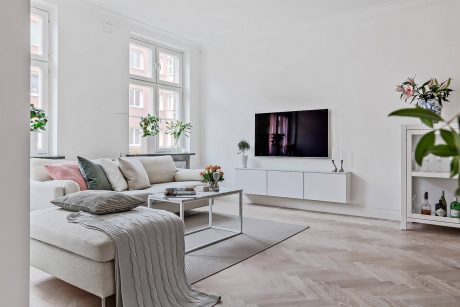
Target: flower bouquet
(212, 175)
(430, 95)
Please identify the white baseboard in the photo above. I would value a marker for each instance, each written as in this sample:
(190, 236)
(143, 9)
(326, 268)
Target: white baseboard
(348, 209)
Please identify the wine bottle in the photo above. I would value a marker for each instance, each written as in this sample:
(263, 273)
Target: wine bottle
(455, 208)
(426, 208)
(441, 206)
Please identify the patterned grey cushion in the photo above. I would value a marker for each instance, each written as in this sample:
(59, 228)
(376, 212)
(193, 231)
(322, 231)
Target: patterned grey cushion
(98, 202)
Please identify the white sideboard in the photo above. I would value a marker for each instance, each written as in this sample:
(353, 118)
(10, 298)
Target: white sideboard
(297, 184)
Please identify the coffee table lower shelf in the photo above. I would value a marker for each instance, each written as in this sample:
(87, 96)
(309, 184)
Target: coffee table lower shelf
(182, 202)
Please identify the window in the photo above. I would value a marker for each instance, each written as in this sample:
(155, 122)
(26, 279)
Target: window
(39, 71)
(155, 87)
(135, 135)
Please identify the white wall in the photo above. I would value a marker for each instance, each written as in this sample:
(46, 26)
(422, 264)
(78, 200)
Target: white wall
(93, 79)
(14, 165)
(348, 63)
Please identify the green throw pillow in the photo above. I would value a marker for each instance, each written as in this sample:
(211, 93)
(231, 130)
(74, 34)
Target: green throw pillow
(94, 175)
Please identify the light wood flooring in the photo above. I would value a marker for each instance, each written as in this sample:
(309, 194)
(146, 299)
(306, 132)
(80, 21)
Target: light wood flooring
(339, 261)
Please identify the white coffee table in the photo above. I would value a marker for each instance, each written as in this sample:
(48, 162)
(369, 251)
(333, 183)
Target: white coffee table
(183, 203)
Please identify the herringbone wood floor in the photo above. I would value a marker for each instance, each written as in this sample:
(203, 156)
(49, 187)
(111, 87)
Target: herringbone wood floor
(345, 261)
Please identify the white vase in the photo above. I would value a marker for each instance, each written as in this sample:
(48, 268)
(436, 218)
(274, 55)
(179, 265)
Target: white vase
(244, 161)
(33, 143)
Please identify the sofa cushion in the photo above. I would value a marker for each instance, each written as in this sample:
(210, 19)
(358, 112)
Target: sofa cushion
(38, 171)
(50, 226)
(159, 169)
(134, 173)
(94, 175)
(114, 175)
(188, 175)
(67, 171)
(98, 202)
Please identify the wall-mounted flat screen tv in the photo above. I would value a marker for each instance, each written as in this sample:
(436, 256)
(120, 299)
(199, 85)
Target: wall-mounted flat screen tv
(293, 134)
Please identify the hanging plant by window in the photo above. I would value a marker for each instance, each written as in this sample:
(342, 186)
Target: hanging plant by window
(150, 125)
(38, 119)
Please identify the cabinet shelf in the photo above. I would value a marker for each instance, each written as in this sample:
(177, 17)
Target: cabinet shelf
(432, 175)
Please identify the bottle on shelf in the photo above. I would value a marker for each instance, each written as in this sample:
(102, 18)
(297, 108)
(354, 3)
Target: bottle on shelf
(426, 207)
(441, 206)
(455, 208)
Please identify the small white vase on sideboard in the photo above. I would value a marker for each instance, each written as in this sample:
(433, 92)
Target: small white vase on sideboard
(244, 161)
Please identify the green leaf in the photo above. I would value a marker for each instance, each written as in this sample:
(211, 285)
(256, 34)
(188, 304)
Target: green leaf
(424, 146)
(454, 167)
(427, 122)
(417, 112)
(443, 151)
(448, 137)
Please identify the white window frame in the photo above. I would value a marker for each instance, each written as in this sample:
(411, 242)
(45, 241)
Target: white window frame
(181, 63)
(133, 136)
(43, 62)
(156, 84)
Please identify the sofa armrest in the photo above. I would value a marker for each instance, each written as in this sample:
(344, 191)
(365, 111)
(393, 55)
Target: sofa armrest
(188, 175)
(43, 192)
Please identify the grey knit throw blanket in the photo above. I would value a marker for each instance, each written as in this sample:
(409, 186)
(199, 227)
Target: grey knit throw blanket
(149, 258)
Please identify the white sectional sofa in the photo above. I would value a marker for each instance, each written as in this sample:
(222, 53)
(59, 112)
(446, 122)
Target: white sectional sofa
(43, 188)
(80, 256)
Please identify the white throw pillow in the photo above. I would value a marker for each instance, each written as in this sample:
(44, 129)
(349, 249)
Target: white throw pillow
(134, 173)
(159, 169)
(114, 175)
(189, 175)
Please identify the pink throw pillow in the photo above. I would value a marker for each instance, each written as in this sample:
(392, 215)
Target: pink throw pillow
(66, 171)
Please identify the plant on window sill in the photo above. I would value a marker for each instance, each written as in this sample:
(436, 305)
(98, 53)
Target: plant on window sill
(177, 129)
(150, 125)
(38, 119)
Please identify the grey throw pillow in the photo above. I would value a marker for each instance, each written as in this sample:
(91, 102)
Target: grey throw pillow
(98, 202)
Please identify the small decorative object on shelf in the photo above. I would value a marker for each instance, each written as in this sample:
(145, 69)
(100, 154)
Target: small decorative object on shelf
(429, 96)
(212, 175)
(426, 208)
(341, 167)
(243, 147)
(335, 170)
(455, 209)
(441, 206)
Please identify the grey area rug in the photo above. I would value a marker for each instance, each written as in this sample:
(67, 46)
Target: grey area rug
(258, 236)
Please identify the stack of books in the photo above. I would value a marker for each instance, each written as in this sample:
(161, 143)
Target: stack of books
(180, 192)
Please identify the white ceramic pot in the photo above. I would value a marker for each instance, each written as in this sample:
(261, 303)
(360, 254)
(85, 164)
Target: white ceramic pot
(244, 161)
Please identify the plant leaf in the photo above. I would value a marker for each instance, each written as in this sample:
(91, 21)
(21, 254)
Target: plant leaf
(417, 112)
(424, 146)
(454, 167)
(444, 151)
(448, 137)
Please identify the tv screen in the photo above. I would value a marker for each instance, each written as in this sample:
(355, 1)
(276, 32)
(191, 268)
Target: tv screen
(293, 134)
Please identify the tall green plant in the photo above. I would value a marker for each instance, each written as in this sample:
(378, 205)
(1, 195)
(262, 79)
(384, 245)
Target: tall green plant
(150, 125)
(38, 119)
(177, 129)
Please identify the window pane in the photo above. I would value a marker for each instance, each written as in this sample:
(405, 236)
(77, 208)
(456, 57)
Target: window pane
(36, 86)
(169, 67)
(140, 104)
(164, 140)
(36, 34)
(168, 101)
(140, 61)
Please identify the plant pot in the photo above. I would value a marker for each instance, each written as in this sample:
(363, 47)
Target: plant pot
(33, 143)
(244, 161)
(431, 105)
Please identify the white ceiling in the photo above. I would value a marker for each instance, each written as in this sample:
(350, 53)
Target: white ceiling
(202, 20)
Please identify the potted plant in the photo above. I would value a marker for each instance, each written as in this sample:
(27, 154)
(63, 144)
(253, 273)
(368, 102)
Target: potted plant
(243, 147)
(38, 122)
(212, 175)
(150, 125)
(430, 95)
(177, 129)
